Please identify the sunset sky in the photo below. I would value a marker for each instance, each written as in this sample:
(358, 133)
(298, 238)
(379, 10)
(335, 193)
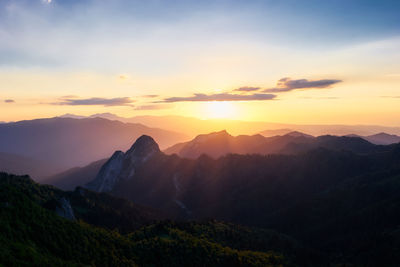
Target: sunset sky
(285, 61)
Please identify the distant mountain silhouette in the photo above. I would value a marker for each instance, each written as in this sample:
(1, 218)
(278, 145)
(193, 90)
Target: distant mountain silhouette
(379, 139)
(275, 132)
(221, 143)
(78, 176)
(193, 126)
(298, 134)
(65, 143)
(383, 139)
(22, 165)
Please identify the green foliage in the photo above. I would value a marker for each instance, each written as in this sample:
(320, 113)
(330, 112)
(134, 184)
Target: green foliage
(31, 235)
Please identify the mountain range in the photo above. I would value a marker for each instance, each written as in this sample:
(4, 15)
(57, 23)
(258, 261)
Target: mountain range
(328, 199)
(193, 126)
(32, 147)
(331, 199)
(382, 139)
(63, 143)
(221, 143)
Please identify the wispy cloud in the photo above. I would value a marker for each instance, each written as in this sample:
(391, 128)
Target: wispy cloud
(220, 97)
(9, 101)
(287, 84)
(247, 89)
(96, 101)
(152, 107)
(150, 96)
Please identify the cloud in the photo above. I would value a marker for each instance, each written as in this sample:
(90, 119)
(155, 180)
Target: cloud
(9, 101)
(286, 84)
(107, 102)
(152, 107)
(247, 89)
(123, 77)
(150, 96)
(220, 97)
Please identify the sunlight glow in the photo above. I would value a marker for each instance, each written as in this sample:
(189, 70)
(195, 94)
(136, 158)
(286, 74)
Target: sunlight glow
(220, 109)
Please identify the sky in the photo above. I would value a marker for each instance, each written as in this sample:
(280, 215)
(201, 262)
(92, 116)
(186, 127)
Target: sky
(290, 61)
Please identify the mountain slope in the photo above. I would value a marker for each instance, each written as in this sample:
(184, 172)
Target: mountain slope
(307, 195)
(383, 139)
(24, 165)
(74, 177)
(67, 143)
(33, 235)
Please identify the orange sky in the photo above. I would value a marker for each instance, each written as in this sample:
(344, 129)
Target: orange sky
(135, 59)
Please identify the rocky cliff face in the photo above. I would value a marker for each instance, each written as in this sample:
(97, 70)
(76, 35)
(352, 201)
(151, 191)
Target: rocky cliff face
(65, 210)
(123, 165)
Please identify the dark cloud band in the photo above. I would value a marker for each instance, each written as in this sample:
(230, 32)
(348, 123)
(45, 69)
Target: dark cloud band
(287, 84)
(96, 101)
(247, 89)
(220, 97)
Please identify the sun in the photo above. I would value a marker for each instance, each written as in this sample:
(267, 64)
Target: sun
(220, 109)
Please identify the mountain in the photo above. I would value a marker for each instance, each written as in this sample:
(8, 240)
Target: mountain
(101, 230)
(24, 165)
(78, 176)
(383, 139)
(221, 143)
(215, 145)
(193, 126)
(65, 143)
(341, 203)
(123, 165)
(275, 132)
(72, 116)
(298, 134)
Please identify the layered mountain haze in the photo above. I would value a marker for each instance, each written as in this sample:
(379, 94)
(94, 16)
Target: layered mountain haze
(63, 143)
(221, 143)
(383, 139)
(214, 145)
(22, 165)
(74, 177)
(191, 126)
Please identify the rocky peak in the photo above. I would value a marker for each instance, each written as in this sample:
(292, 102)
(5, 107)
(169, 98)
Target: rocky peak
(107, 176)
(143, 147)
(215, 135)
(64, 209)
(124, 165)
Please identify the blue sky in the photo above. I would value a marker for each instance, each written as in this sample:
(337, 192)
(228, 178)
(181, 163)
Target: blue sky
(309, 24)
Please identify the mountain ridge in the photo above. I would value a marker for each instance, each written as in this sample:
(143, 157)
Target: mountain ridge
(81, 141)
